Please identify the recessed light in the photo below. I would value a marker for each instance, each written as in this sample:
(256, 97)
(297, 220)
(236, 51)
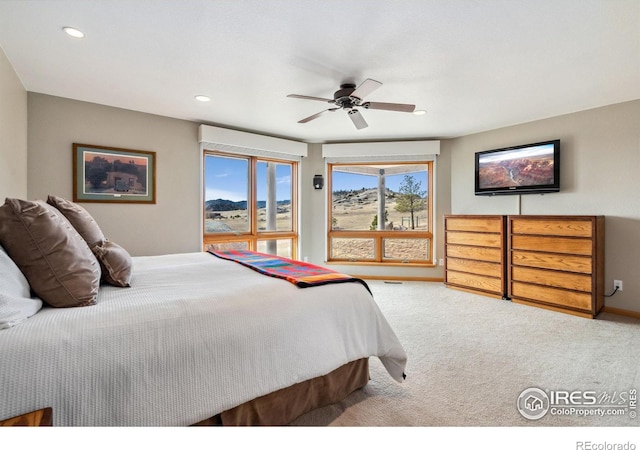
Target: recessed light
(202, 98)
(419, 112)
(73, 32)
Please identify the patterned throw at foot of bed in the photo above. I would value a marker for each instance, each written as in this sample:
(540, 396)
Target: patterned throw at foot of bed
(302, 274)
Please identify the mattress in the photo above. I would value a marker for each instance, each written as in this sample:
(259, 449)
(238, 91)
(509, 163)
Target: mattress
(194, 336)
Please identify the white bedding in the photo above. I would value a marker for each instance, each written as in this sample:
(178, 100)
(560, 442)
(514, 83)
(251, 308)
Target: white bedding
(194, 336)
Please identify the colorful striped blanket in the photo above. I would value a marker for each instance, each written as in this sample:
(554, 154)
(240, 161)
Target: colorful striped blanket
(300, 273)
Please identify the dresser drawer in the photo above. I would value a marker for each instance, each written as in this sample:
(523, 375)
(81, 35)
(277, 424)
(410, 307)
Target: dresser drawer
(475, 281)
(478, 253)
(563, 280)
(569, 246)
(552, 227)
(479, 239)
(552, 296)
(475, 224)
(477, 267)
(554, 261)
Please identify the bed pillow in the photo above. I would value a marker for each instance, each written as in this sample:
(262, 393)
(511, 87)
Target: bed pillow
(54, 258)
(12, 281)
(80, 218)
(15, 310)
(16, 304)
(115, 261)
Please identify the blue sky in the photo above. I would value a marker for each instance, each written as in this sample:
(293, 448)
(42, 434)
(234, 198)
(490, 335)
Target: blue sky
(351, 181)
(228, 179)
(539, 150)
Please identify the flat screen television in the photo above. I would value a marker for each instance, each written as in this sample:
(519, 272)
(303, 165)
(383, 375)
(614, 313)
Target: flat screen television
(523, 169)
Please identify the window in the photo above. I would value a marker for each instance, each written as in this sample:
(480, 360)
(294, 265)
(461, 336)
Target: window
(381, 213)
(250, 203)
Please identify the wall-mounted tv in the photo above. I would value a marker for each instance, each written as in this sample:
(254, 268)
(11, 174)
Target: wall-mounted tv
(523, 169)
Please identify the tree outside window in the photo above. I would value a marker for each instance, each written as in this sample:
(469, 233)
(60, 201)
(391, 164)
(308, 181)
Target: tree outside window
(411, 199)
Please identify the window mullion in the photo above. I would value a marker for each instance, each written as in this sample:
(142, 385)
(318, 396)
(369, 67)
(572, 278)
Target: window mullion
(251, 204)
(378, 249)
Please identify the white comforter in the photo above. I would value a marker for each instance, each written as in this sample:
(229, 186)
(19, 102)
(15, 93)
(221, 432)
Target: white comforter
(194, 336)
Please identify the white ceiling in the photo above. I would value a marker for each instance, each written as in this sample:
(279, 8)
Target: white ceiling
(472, 65)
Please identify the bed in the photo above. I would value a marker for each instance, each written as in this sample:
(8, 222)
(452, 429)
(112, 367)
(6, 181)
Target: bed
(195, 339)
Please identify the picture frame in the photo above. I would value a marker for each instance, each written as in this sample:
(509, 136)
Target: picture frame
(113, 175)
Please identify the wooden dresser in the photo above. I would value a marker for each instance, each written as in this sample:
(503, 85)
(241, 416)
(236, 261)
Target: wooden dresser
(474, 250)
(557, 262)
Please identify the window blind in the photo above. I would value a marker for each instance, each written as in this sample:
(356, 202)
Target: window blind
(243, 143)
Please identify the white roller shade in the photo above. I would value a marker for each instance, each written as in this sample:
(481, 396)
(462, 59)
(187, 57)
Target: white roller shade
(381, 151)
(242, 143)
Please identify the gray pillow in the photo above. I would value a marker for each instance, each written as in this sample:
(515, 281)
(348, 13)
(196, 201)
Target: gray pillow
(16, 304)
(55, 259)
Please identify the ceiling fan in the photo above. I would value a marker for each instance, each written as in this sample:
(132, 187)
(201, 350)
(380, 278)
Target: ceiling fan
(349, 97)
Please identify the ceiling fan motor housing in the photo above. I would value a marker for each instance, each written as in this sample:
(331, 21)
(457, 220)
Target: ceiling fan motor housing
(342, 97)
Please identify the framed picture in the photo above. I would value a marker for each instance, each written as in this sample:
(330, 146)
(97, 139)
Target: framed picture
(113, 175)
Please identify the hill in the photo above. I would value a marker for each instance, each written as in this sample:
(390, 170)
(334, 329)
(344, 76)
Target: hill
(220, 204)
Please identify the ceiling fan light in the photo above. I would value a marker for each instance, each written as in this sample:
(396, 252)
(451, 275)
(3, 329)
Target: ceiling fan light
(419, 112)
(74, 32)
(202, 98)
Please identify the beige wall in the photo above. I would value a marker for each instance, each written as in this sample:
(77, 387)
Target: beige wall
(312, 207)
(13, 133)
(600, 160)
(600, 163)
(172, 225)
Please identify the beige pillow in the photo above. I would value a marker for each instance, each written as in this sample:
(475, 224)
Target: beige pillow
(116, 263)
(114, 260)
(55, 259)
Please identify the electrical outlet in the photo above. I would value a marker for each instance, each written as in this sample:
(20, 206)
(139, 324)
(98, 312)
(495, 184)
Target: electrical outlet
(617, 284)
(441, 262)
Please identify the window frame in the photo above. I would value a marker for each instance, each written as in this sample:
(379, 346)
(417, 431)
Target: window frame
(253, 235)
(378, 236)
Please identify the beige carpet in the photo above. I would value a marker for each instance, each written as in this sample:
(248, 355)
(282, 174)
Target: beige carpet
(470, 357)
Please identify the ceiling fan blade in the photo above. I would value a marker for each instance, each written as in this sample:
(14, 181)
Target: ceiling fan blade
(357, 119)
(366, 88)
(315, 116)
(401, 107)
(308, 97)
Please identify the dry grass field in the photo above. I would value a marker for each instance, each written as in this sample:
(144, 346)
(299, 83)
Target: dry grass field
(236, 220)
(354, 211)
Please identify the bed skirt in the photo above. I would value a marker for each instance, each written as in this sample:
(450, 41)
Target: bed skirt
(285, 405)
